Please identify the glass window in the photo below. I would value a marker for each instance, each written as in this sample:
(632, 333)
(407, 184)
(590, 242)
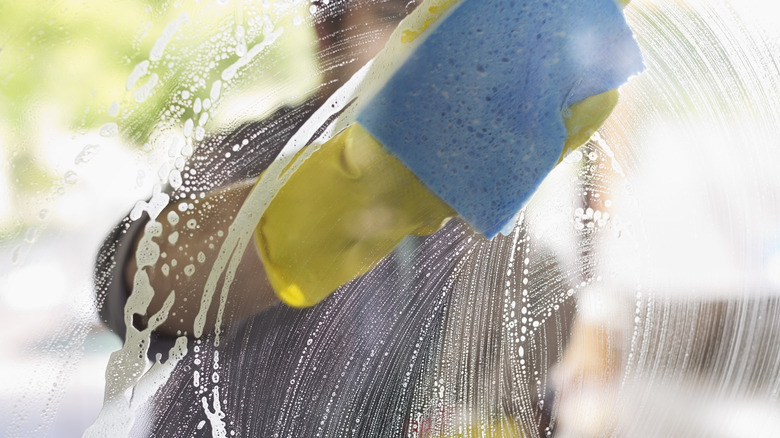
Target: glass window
(148, 149)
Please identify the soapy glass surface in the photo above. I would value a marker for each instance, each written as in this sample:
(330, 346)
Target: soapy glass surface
(636, 297)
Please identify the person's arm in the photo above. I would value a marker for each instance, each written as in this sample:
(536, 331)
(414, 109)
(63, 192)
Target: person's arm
(187, 252)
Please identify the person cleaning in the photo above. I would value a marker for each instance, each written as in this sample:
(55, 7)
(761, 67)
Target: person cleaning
(489, 96)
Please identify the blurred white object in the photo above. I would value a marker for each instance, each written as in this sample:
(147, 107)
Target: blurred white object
(702, 193)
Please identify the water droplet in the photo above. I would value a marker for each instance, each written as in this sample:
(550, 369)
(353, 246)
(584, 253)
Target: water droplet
(31, 234)
(143, 92)
(113, 109)
(216, 89)
(16, 254)
(109, 130)
(173, 218)
(174, 178)
(188, 125)
(140, 70)
(86, 154)
(71, 177)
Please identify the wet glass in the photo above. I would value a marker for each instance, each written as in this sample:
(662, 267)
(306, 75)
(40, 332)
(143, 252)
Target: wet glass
(636, 294)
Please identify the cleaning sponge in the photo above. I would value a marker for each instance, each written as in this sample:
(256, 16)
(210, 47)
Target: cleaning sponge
(477, 111)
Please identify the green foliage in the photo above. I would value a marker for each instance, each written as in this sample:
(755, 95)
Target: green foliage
(64, 63)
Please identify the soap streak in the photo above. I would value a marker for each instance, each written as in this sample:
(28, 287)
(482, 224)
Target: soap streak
(274, 177)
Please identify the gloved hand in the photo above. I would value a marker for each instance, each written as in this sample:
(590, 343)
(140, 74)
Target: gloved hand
(352, 202)
(340, 213)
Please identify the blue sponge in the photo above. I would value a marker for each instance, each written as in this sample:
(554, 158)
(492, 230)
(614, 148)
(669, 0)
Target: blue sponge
(476, 112)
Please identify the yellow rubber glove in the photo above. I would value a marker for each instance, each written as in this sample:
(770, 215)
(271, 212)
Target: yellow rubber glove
(340, 213)
(585, 117)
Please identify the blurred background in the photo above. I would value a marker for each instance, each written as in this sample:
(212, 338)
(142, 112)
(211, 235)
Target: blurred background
(90, 95)
(666, 227)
